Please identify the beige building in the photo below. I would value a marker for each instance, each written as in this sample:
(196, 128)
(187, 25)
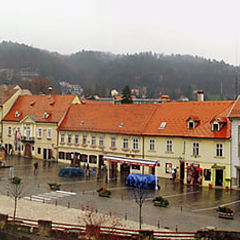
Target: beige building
(30, 127)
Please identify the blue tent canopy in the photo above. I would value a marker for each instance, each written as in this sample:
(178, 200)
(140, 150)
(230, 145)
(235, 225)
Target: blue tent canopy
(71, 172)
(146, 181)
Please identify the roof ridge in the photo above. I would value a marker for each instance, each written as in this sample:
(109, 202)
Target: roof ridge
(147, 122)
(233, 106)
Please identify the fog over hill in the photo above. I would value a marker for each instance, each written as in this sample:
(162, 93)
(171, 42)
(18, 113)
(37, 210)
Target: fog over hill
(98, 72)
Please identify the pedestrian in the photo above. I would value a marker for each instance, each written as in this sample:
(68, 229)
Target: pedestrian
(35, 168)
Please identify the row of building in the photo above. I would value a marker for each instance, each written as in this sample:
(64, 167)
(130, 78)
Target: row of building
(199, 140)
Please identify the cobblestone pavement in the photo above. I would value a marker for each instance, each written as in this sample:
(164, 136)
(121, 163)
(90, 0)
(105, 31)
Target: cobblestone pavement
(190, 207)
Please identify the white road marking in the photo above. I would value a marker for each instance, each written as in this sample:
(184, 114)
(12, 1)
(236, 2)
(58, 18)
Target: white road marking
(70, 193)
(211, 208)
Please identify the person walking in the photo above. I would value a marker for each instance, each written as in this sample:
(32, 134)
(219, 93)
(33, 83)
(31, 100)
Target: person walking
(35, 168)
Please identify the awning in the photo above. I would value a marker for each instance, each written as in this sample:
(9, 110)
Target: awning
(131, 161)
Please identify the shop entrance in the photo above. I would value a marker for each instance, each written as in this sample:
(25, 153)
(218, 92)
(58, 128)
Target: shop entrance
(182, 170)
(125, 170)
(219, 177)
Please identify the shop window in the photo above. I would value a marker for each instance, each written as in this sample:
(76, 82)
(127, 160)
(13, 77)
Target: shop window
(207, 174)
(61, 155)
(136, 167)
(83, 158)
(68, 156)
(168, 168)
(92, 159)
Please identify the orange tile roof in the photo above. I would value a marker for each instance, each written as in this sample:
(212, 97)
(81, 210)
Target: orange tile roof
(176, 113)
(124, 118)
(36, 105)
(145, 119)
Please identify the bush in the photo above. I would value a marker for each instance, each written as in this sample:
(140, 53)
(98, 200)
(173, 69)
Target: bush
(16, 180)
(225, 209)
(161, 200)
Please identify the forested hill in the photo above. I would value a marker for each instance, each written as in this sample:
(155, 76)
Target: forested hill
(175, 75)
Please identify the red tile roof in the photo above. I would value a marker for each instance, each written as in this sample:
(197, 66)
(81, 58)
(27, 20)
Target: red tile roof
(146, 119)
(36, 105)
(124, 118)
(176, 113)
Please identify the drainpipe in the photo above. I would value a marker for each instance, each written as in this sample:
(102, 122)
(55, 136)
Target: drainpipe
(57, 144)
(143, 153)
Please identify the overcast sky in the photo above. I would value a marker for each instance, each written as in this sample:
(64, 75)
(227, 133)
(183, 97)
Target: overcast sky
(208, 28)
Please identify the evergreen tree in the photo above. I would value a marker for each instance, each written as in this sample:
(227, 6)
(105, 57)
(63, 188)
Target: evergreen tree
(126, 95)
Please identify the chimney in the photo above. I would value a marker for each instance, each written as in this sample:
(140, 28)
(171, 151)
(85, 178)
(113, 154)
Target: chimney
(200, 95)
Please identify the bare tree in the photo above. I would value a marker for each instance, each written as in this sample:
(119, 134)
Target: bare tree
(15, 190)
(140, 194)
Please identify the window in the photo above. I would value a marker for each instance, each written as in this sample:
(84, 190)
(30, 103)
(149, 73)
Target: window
(207, 174)
(169, 146)
(101, 141)
(93, 141)
(61, 155)
(125, 143)
(9, 131)
(84, 140)
(40, 133)
(49, 133)
(152, 144)
(92, 159)
(113, 142)
(136, 167)
(39, 151)
(195, 149)
(33, 148)
(135, 143)
(68, 156)
(219, 150)
(62, 138)
(76, 139)
(83, 158)
(168, 168)
(28, 132)
(190, 124)
(215, 127)
(162, 126)
(69, 138)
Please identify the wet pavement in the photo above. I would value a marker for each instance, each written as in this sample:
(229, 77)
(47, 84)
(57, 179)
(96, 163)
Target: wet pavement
(191, 207)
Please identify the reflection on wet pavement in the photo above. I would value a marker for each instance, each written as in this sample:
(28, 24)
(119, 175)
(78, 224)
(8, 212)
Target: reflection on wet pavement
(191, 207)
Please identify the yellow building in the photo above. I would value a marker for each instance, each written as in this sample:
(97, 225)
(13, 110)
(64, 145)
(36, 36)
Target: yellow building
(30, 127)
(191, 139)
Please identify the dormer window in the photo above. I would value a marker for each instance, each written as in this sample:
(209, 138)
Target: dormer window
(191, 125)
(192, 122)
(17, 114)
(215, 127)
(218, 123)
(45, 115)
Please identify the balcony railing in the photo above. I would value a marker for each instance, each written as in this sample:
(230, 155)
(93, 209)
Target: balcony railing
(27, 139)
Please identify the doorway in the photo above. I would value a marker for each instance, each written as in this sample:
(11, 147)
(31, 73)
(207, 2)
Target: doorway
(182, 170)
(28, 150)
(45, 154)
(125, 170)
(219, 177)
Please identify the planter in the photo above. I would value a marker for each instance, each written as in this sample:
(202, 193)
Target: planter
(225, 215)
(160, 204)
(54, 186)
(104, 195)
